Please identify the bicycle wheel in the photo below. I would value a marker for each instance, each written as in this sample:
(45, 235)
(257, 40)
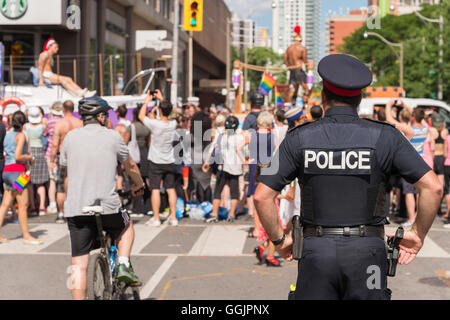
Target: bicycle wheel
(123, 291)
(99, 278)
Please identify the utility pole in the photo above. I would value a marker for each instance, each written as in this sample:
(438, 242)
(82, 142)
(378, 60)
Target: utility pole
(191, 67)
(174, 84)
(228, 66)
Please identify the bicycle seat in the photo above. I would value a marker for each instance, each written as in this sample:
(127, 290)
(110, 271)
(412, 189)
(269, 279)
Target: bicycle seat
(95, 208)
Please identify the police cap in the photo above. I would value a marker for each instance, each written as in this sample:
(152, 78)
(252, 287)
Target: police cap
(344, 75)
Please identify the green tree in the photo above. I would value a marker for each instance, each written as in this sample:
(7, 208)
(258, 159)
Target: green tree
(421, 51)
(263, 57)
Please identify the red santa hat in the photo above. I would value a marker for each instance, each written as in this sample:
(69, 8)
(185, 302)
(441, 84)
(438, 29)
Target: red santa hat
(49, 43)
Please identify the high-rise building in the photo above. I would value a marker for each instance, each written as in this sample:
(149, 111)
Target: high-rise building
(337, 27)
(399, 7)
(242, 32)
(286, 15)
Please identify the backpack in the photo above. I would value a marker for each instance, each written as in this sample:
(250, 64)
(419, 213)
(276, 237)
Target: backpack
(216, 156)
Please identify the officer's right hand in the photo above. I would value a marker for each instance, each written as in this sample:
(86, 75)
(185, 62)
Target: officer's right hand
(285, 248)
(409, 246)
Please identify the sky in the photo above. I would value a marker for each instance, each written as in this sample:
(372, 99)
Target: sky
(261, 11)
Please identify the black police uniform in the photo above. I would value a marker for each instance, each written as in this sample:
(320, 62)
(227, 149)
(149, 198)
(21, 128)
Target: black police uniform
(343, 163)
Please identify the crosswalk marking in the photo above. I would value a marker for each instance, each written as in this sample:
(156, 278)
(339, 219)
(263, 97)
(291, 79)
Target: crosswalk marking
(431, 249)
(143, 235)
(215, 240)
(47, 232)
(148, 288)
(221, 241)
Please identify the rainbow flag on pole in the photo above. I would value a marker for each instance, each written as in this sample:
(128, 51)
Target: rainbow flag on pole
(280, 101)
(267, 84)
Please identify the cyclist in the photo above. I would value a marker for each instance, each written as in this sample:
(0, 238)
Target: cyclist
(90, 155)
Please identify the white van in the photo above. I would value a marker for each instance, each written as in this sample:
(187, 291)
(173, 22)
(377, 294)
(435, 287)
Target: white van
(366, 108)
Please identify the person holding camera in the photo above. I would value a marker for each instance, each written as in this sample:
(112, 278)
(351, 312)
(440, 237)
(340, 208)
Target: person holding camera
(161, 154)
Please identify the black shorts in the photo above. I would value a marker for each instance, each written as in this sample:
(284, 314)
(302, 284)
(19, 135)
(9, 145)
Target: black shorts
(62, 173)
(224, 178)
(447, 180)
(164, 172)
(438, 164)
(84, 233)
(408, 187)
(298, 76)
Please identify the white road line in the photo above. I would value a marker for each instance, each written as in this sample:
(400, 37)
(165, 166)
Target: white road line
(143, 236)
(220, 241)
(431, 249)
(201, 242)
(47, 232)
(147, 290)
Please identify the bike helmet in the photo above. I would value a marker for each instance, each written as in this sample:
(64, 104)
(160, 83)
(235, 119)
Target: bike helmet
(231, 123)
(89, 108)
(257, 99)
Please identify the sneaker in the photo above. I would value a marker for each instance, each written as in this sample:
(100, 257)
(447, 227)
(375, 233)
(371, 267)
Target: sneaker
(153, 222)
(127, 275)
(42, 212)
(164, 215)
(150, 213)
(272, 262)
(259, 252)
(447, 225)
(212, 220)
(60, 218)
(173, 222)
(90, 94)
(230, 219)
(52, 210)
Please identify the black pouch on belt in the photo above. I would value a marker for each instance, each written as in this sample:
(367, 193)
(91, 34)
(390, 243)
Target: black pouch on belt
(297, 238)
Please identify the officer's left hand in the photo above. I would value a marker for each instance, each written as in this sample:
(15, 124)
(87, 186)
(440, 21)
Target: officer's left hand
(285, 248)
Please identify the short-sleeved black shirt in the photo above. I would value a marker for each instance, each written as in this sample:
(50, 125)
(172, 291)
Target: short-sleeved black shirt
(395, 154)
(250, 121)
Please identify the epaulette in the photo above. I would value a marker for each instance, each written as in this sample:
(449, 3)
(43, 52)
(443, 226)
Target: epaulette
(379, 122)
(299, 126)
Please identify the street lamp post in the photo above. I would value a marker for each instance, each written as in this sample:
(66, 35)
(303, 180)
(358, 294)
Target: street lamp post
(391, 44)
(441, 49)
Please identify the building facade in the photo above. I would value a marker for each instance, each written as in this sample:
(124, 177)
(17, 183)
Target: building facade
(89, 32)
(338, 27)
(286, 15)
(243, 32)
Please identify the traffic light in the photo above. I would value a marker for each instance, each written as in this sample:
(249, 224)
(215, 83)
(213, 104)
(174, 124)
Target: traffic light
(193, 15)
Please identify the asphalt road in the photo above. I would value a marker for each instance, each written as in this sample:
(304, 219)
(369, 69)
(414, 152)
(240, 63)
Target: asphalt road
(195, 261)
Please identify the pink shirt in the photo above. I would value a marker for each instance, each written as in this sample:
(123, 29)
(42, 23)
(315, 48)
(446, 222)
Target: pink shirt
(49, 132)
(447, 160)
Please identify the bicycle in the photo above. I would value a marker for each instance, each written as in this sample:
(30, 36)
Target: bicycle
(102, 282)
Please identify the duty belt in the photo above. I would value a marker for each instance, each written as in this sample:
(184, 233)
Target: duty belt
(361, 231)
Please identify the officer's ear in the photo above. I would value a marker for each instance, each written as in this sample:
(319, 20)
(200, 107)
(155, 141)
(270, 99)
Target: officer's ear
(324, 99)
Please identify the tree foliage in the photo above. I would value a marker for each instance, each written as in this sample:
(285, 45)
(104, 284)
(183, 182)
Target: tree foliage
(421, 51)
(261, 57)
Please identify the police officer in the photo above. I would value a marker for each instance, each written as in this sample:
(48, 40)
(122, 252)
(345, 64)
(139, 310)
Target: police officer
(342, 163)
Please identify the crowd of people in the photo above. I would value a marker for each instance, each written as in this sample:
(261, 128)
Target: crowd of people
(194, 154)
(427, 132)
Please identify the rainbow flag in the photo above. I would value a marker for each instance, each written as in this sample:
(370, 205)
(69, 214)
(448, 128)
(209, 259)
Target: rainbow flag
(22, 181)
(280, 101)
(267, 84)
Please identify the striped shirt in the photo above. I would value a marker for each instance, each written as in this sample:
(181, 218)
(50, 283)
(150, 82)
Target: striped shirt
(419, 138)
(49, 132)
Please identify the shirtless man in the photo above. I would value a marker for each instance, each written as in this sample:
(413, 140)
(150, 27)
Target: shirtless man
(46, 74)
(62, 128)
(294, 58)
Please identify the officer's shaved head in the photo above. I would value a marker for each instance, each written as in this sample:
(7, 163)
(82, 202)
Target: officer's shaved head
(333, 99)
